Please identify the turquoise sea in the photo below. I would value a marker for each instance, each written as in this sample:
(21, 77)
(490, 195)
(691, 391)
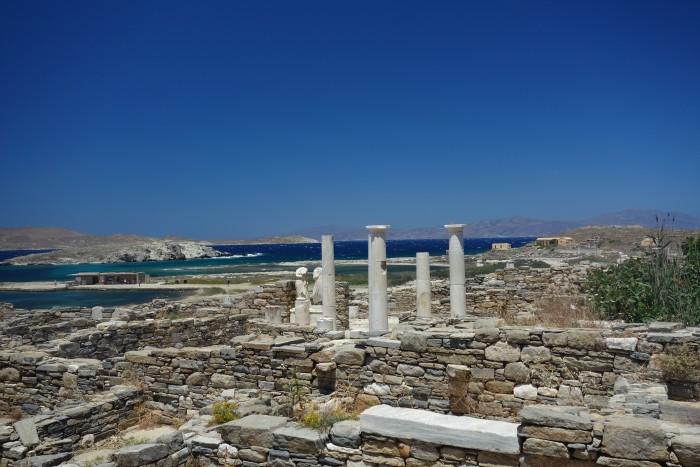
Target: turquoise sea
(244, 258)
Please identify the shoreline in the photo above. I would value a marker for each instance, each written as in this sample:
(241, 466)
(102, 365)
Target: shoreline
(62, 287)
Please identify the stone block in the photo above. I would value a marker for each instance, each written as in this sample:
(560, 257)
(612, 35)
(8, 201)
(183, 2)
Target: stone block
(222, 381)
(555, 339)
(48, 460)
(196, 379)
(663, 326)
(350, 355)
(562, 435)
(541, 447)
(687, 449)
(26, 430)
(207, 442)
(613, 462)
(635, 438)
(140, 454)
(680, 412)
(518, 372)
(573, 418)
(517, 336)
(462, 432)
(346, 434)
(299, 440)
(487, 335)
(383, 342)
(502, 352)
(414, 341)
(525, 391)
(410, 370)
(482, 374)
(621, 343)
(365, 401)
(493, 459)
(586, 340)
(535, 354)
(500, 387)
(253, 430)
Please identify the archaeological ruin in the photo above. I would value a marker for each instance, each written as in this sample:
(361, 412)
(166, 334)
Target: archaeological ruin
(441, 373)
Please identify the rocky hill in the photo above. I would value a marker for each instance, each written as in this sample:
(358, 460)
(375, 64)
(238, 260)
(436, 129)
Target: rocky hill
(40, 238)
(119, 253)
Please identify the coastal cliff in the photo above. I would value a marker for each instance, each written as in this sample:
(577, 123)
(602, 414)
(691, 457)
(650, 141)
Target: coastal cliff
(138, 252)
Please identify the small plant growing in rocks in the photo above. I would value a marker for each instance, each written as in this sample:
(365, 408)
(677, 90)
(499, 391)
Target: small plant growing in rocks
(224, 411)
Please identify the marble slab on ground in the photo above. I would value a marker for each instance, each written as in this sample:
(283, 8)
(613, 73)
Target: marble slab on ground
(447, 430)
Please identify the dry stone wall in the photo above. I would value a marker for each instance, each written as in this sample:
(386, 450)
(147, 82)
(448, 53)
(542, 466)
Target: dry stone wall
(190, 378)
(34, 381)
(48, 439)
(113, 338)
(496, 371)
(506, 291)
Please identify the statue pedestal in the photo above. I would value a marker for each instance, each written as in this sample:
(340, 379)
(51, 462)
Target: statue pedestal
(301, 312)
(273, 314)
(324, 324)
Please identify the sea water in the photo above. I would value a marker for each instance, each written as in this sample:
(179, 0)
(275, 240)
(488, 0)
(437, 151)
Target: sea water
(244, 258)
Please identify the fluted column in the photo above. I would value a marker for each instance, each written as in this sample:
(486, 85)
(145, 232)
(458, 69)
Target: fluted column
(328, 278)
(458, 293)
(376, 271)
(423, 285)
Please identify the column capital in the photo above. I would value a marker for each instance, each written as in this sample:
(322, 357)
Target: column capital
(455, 228)
(377, 229)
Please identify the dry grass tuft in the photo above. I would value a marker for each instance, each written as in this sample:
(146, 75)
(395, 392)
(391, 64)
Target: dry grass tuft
(16, 414)
(565, 312)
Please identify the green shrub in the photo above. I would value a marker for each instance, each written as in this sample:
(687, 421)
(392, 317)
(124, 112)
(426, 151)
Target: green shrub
(659, 285)
(224, 411)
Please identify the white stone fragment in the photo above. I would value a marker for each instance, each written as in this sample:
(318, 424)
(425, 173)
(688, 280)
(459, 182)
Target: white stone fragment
(621, 343)
(447, 430)
(377, 389)
(525, 391)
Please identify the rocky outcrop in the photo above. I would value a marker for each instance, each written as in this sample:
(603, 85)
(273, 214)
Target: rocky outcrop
(138, 252)
(163, 251)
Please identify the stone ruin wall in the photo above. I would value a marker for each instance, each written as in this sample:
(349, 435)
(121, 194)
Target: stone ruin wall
(505, 292)
(558, 383)
(484, 371)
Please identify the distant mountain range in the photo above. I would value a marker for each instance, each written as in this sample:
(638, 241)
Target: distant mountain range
(18, 238)
(516, 226)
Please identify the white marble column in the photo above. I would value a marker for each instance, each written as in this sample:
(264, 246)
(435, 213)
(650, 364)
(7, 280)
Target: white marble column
(458, 293)
(328, 278)
(422, 285)
(378, 316)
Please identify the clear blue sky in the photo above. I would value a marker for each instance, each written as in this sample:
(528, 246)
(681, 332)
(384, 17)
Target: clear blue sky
(238, 119)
